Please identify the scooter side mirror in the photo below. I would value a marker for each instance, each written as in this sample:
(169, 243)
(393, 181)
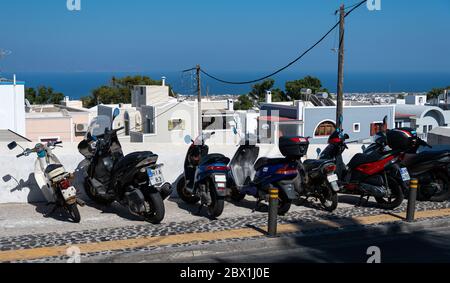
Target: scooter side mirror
(346, 136)
(116, 113)
(318, 151)
(188, 139)
(12, 145)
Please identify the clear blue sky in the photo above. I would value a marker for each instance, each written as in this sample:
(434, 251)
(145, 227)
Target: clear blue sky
(222, 35)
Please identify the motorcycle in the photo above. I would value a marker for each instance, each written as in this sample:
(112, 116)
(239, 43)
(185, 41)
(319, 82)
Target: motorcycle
(431, 166)
(53, 179)
(317, 179)
(204, 179)
(256, 179)
(368, 175)
(135, 181)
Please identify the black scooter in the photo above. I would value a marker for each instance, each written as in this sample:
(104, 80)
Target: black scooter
(431, 166)
(135, 180)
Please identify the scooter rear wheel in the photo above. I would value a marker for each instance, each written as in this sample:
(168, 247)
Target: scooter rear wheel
(184, 194)
(158, 210)
(329, 199)
(74, 213)
(284, 203)
(215, 209)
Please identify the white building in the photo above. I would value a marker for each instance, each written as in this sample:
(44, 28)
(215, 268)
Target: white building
(12, 106)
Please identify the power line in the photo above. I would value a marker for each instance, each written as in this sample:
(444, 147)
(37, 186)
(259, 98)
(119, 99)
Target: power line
(354, 7)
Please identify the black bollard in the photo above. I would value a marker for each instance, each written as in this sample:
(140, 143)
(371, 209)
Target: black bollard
(273, 212)
(413, 187)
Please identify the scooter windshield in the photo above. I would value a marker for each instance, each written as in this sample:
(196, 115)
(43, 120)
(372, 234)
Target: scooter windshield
(98, 125)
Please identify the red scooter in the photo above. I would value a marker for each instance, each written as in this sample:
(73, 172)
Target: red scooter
(376, 174)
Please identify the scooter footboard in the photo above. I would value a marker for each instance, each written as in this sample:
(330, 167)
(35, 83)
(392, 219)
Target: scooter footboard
(288, 187)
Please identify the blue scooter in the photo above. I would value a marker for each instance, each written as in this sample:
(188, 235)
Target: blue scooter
(205, 177)
(256, 179)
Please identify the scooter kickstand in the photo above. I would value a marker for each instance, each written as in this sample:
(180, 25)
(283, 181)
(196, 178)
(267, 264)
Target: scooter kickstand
(360, 200)
(199, 211)
(258, 204)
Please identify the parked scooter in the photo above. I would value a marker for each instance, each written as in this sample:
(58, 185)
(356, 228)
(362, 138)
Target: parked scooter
(53, 179)
(204, 179)
(431, 166)
(135, 181)
(369, 175)
(256, 179)
(317, 179)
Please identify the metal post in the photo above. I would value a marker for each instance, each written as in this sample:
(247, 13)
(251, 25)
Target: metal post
(414, 186)
(273, 212)
(199, 94)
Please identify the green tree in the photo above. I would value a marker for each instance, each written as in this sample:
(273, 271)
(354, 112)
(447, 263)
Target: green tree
(293, 88)
(435, 92)
(243, 103)
(43, 95)
(119, 90)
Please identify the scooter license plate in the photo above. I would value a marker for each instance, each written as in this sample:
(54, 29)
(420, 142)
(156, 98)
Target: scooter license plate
(405, 174)
(332, 178)
(69, 193)
(220, 178)
(155, 176)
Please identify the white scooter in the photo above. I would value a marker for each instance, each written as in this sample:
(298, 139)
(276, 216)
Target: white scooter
(53, 179)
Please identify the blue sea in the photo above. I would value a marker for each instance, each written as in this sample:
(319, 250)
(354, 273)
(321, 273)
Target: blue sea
(76, 85)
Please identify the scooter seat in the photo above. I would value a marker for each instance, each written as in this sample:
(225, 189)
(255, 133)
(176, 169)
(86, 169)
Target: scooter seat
(54, 170)
(214, 158)
(314, 164)
(430, 155)
(52, 167)
(262, 162)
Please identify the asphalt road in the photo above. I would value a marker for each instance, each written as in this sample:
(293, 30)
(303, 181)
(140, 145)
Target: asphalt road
(425, 246)
(430, 245)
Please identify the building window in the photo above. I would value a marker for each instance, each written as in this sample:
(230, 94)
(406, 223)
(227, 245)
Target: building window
(375, 128)
(325, 129)
(142, 90)
(430, 128)
(177, 124)
(216, 123)
(398, 125)
(357, 127)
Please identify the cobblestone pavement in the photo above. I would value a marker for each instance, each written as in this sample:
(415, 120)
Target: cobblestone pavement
(201, 225)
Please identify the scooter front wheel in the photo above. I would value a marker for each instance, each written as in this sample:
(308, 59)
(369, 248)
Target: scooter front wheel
(186, 196)
(74, 213)
(395, 199)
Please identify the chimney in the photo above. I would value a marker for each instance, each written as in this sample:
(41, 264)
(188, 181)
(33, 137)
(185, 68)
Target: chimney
(163, 81)
(268, 96)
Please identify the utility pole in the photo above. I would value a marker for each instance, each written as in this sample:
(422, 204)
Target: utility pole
(199, 93)
(340, 87)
